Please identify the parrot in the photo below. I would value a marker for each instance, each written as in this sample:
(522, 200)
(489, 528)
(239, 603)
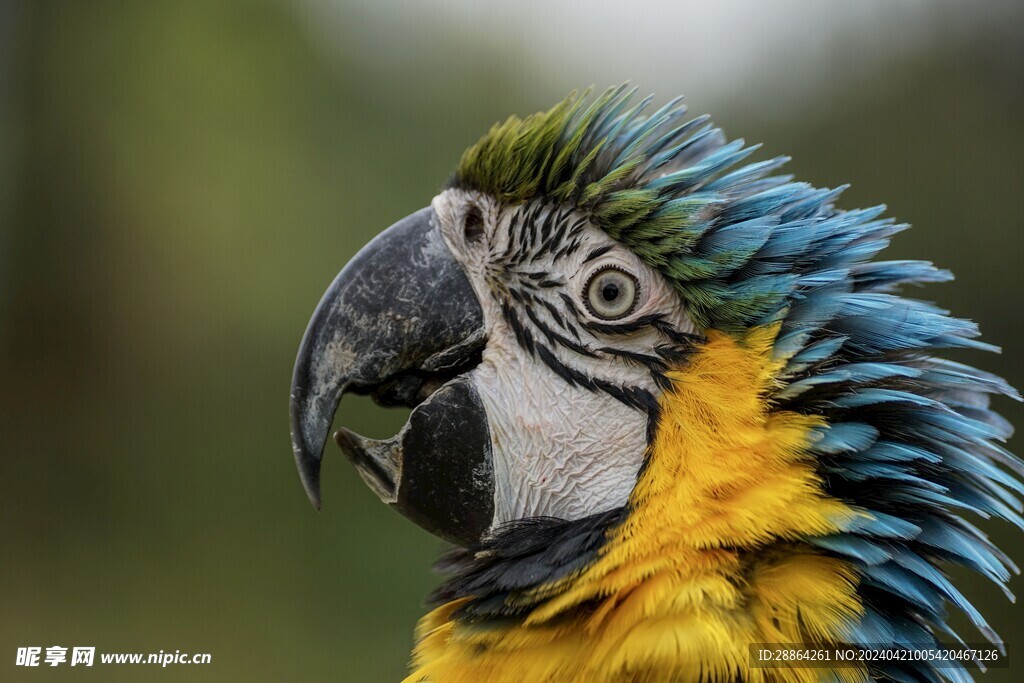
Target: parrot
(666, 406)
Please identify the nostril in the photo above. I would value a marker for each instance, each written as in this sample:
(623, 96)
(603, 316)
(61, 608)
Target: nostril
(473, 224)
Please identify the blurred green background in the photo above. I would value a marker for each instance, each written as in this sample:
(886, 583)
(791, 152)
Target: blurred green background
(179, 181)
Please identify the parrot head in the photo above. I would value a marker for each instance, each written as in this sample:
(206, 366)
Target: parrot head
(641, 371)
(531, 345)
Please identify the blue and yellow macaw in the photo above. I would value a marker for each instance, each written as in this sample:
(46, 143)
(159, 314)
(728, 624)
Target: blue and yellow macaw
(666, 405)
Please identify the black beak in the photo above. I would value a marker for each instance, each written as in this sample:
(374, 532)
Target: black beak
(402, 323)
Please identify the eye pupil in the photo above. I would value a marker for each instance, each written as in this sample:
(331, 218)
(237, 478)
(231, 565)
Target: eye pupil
(610, 292)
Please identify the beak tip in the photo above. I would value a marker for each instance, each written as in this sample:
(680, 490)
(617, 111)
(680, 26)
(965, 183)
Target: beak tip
(312, 492)
(309, 473)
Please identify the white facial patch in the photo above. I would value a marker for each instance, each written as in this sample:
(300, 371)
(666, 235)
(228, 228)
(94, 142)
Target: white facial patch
(559, 451)
(566, 402)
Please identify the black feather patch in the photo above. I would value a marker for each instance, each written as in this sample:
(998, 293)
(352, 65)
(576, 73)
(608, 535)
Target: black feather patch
(517, 559)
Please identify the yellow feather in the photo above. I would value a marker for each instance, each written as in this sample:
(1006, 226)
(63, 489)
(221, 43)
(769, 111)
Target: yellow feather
(707, 562)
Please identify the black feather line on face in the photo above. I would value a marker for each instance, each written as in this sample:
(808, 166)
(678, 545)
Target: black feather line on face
(567, 249)
(547, 226)
(685, 340)
(572, 239)
(625, 328)
(570, 307)
(556, 315)
(537, 229)
(515, 240)
(674, 355)
(634, 397)
(597, 253)
(562, 370)
(555, 338)
(523, 335)
(530, 228)
(572, 248)
(654, 363)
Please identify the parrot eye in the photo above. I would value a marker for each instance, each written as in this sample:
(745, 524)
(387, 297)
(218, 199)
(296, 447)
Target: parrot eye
(611, 293)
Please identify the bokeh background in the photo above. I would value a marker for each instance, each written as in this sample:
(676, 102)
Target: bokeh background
(179, 181)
